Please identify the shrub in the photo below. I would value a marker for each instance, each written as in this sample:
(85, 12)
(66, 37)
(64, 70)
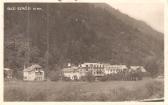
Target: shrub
(83, 78)
(103, 78)
(19, 75)
(54, 75)
(66, 78)
(90, 77)
(153, 67)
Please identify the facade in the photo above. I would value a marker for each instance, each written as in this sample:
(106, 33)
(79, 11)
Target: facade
(72, 72)
(135, 68)
(33, 73)
(98, 70)
(8, 74)
(113, 69)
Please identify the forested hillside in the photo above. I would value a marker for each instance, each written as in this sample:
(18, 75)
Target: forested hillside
(77, 33)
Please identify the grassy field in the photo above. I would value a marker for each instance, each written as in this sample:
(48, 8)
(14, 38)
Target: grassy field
(83, 91)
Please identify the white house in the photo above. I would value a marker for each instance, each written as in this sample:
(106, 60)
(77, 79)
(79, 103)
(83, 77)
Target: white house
(8, 73)
(135, 68)
(72, 72)
(33, 73)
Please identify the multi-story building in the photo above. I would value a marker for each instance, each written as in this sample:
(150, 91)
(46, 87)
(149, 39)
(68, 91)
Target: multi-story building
(33, 73)
(97, 70)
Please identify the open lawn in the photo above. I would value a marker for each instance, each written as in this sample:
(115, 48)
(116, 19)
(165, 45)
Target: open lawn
(83, 91)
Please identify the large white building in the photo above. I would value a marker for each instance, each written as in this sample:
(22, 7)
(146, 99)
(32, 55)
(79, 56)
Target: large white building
(32, 73)
(97, 70)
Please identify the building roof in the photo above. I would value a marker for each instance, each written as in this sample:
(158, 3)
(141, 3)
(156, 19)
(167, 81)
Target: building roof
(71, 69)
(7, 69)
(87, 63)
(138, 67)
(33, 67)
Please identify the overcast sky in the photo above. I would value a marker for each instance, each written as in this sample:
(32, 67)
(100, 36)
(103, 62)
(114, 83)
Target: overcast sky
(150, 12)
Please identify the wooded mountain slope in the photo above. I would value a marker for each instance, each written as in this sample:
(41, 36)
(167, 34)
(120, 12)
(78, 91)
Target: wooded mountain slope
(77, 33)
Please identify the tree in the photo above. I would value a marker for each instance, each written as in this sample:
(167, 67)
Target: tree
(152, 67)
(54, 75)
(90, 77)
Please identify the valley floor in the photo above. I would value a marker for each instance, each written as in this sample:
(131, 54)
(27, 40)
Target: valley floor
(83, 91)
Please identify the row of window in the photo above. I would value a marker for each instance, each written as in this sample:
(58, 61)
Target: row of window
(38, 78)
(95, 70)
(103, 66)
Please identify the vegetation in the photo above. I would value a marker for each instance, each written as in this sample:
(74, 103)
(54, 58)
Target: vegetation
(83, 91)
(78, 33)
(54, 75)
(126, 76)
(89, 77)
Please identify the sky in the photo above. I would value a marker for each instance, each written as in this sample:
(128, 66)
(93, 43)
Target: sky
(150, 12)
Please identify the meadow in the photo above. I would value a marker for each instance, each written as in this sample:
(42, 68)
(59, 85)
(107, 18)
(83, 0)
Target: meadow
(83, 91)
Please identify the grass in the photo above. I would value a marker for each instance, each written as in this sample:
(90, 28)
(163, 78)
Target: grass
(83, 91)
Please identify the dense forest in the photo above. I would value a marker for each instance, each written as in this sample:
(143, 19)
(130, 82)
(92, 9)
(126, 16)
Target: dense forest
(77, 33)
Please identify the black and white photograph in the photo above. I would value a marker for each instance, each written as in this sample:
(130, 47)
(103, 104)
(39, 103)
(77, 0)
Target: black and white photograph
(83, 52)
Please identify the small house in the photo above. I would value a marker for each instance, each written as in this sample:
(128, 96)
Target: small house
(33, 73)
(135, 68)
(8, 74)
(72, 72)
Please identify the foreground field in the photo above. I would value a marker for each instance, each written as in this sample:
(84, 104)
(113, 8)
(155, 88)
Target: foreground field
(83, 91)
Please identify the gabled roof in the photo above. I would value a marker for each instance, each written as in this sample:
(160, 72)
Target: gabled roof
(33, 67)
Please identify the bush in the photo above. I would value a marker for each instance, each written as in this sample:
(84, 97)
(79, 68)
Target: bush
(54, 75)
(19, 75)
(90, 77)
(83, 78)
(66, 79)
(153, 67)
(103, 78)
